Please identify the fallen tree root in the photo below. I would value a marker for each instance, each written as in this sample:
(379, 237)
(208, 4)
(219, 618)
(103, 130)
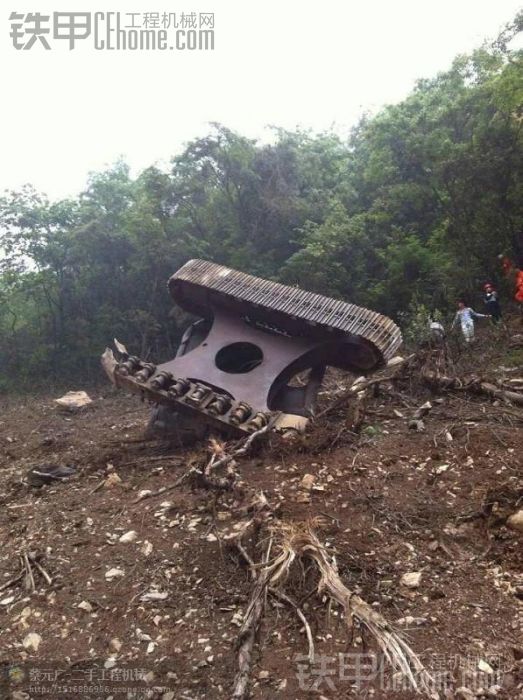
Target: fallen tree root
(206, 475)
(246, 443)
(299, 541)
(247, 637)
(248, 631)
(295, 542)
(282, 596)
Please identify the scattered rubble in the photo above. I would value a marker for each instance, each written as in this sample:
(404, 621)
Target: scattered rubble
(144, 558)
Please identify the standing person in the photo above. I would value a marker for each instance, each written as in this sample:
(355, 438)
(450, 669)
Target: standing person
(514, 273)
(436, 330)
(465, 315)
(519, 289)
(491, 300)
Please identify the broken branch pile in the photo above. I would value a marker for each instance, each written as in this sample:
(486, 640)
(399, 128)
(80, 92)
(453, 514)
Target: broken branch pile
(471, 384)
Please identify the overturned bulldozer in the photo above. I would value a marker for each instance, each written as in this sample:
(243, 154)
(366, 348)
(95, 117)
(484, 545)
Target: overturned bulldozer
(234, 367)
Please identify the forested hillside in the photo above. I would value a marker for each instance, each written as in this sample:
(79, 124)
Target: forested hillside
(413, 207)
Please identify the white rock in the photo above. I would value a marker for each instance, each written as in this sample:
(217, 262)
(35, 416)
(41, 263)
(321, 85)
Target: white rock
(130, 536)
(485, 667)
(142, 636)
(73, 401)
(115, 644)
(411, 579)
(85, 605)
(211, 538)
(237, 619)
(114, 573)
(409, 621)
(26, 612)
(32, 641)
(442, 468)
(7, 601)
(146, 548)
(423, 410)
(305, 488)
(154, 595)
(110, 662)
(112, 480)
(515, 522)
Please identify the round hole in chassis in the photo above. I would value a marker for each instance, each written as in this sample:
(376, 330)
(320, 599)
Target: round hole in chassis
(238, 358)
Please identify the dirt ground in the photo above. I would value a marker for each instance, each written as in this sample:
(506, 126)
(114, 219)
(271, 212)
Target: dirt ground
(388, 501)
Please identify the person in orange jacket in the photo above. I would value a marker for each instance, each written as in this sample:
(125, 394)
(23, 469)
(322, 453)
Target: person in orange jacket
(519, 286)
(510, 270)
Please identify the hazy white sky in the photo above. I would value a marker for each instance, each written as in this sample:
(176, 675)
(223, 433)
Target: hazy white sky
(276, 62)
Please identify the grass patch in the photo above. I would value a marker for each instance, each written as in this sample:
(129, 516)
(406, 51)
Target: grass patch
(513, 358)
